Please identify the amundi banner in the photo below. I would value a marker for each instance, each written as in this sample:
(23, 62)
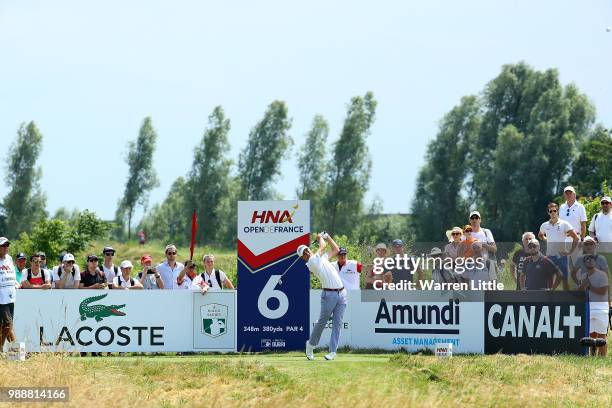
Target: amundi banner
(273, 283)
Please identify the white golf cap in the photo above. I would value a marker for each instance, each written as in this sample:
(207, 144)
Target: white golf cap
(4, 240)
(605, 199)
(301, 249)
(381, 245)
(569, 188)
(126, 264)
(435, 251)
(534, 241)
(68, 257)
(588, 238)
(475, 213)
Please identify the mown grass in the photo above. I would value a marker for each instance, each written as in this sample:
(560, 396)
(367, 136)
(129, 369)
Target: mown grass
(355, 380)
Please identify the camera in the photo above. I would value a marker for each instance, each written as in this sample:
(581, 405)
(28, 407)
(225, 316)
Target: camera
(150, 270)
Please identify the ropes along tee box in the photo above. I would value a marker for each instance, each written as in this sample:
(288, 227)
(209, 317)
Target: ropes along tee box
(274, 285)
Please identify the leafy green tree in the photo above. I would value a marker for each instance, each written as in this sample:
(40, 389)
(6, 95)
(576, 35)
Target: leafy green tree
(208, 181)
(259, 162)
(441, 200)
(142, 177)
(24, 205)
(349, 171)
(167, 221)
(313, 167)
(594, 163)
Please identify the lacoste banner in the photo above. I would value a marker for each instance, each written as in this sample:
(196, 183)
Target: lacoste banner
(543, 322)
(273, 284)
(118, 320)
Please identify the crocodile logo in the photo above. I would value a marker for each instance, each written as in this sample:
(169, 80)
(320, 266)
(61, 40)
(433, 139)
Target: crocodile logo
(98, 312)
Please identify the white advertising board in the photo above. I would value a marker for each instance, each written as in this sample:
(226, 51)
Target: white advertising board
(120, 320)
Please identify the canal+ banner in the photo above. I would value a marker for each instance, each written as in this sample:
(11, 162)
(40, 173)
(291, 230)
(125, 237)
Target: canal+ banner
(274, 284)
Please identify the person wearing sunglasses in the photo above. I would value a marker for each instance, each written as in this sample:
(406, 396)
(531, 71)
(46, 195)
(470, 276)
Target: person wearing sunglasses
(111, 271)
(170, 269)
(573, 212)
(188, 279)
(35, 277)
(601, 231)
(67, 275)
(540, 272)
(8, 286)
(92, 277)
(485, 236)
(579, 269)
(554, 232)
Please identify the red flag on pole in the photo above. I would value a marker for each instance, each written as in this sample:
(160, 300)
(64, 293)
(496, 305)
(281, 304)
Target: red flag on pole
(194, 228)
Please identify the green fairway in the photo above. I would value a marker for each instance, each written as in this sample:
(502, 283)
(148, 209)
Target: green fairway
(356, 380)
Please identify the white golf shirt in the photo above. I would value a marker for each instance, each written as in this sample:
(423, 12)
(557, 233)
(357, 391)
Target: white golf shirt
(325, 271)
(349, 273)
(601, 225)
(577, 214)
(7, 280)
(555, 236)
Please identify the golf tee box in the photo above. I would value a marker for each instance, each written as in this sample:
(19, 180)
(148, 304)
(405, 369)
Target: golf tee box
(16, 351)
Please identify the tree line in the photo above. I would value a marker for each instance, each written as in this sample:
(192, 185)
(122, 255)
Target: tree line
(506, 151)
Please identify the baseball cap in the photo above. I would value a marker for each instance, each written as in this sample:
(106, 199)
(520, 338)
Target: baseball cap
(588, 238)
(606, 199)
(92, 257)
(397, 242)
(569, 188)
(68, 257)
(145, 258)
(4, 240)
(475, 213)
(381, 245)
(342, 251)
(108, 249)
(301, 249)
(21, 255)
(533, 241)
(126, 264)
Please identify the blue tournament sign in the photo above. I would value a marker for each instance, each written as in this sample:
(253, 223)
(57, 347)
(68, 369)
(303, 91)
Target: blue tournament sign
(273, 283)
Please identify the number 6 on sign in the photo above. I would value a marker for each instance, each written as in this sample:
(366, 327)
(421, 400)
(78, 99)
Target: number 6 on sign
(269, 292)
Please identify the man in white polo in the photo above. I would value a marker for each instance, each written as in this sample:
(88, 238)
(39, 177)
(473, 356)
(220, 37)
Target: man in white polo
(170, 269)
(333, 295)
(349, 270)
(554, 232)
(601, 230)
(573, 212)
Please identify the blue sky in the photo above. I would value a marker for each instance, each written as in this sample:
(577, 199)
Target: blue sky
(89, 72)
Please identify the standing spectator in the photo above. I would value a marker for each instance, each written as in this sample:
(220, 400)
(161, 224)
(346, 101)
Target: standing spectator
(554, 231)
(67, 275)
(520, 257)
(170, 269)
(92, 277)
(215, 278)
(579, 269)
(110, 270)
(189, 280)
(371, 277)
(467, 243)
(7, 293)
(349, 270)
(403, 274)
(485, 236)
(439, 273)
(141, 238)
(35, 277)
(149, 278)
(540, 273)
(573, 212)
(601, 228)
(453, 249)
(124, 280)
(43, 260)
(20, 265)
(596, 282)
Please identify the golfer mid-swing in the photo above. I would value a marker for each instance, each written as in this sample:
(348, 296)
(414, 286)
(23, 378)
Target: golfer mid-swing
(333, 296)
